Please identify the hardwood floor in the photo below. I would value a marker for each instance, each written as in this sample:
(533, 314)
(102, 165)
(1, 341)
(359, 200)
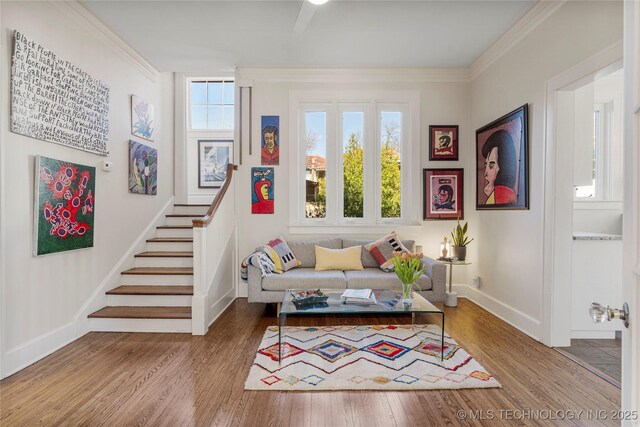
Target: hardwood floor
(177, 379)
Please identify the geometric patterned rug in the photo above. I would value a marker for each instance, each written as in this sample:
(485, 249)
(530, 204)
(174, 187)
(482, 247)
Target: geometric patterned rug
(378, 357)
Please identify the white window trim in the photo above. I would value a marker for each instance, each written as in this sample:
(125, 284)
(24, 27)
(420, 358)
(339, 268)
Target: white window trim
(387, 100)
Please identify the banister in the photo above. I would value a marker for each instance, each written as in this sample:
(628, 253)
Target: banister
(208, 217)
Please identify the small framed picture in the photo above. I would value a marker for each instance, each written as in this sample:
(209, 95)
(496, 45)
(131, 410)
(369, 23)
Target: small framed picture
(213, 158)
(502, 172)
(443, 142)
(443, 193)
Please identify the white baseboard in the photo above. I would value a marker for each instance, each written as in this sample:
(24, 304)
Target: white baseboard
(220, 306)
(38, 348)
(515, 318)
(594, 335)
(26, 354)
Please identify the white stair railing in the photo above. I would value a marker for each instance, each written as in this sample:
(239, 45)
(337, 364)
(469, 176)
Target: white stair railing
(212, 234)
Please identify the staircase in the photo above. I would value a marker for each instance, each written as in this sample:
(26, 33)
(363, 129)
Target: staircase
(155, 295)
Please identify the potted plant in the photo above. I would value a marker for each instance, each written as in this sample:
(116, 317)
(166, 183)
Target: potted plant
(460, 241)
(408, 267)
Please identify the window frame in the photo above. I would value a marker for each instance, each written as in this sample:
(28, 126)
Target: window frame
(334, 103)
(189, 113)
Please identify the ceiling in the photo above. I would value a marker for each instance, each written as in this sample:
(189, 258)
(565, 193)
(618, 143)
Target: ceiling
(200, 36)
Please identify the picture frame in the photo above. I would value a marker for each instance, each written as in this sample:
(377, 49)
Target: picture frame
(270, 140)
(213, 158)
(64, 206)
(143, 169)
(443, 142)
(142, 118)
(443, 194)
(262, 191)
(502, 162)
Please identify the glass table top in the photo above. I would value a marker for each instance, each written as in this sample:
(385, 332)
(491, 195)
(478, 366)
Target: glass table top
(388, 301)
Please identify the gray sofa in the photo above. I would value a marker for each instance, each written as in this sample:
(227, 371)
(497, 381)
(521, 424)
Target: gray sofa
(271, 288)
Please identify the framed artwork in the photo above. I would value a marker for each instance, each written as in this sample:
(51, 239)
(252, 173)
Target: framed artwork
(262, 184)
(443, 142)
(443, 193)
(502, 180)
(213, 158)
(143, 169)
(270, 141)
(142, 118)
(64, 206)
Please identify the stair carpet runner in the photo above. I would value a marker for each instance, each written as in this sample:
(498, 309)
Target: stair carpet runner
(155, 295)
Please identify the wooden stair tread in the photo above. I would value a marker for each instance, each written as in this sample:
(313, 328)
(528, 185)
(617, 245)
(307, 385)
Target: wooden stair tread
(188, 205)
(184, 216)
(174, 226)
(165, 254)
(151, 290)
(133, 312)
(171, 240)
(185, 271)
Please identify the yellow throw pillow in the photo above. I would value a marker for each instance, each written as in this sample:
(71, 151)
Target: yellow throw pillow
(339, 259)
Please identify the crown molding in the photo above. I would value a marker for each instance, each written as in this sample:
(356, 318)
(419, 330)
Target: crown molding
(354, 75)
(85, 18)
(537, 14)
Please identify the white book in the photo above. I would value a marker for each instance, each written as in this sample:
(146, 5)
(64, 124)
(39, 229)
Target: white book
(358, 296)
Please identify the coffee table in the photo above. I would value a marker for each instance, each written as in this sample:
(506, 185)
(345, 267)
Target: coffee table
(389, 302)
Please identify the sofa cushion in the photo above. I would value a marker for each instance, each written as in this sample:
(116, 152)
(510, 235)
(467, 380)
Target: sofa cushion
(384, 248)
(305, 250)
(338, 259)
(368, 261)
(304, 278)
(374, 278)
(280, 254)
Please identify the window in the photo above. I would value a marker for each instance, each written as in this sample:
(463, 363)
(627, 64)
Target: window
(315, 146)
(349, 169)
(211, 104)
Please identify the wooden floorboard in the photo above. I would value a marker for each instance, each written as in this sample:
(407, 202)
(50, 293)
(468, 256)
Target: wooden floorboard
(106, 379)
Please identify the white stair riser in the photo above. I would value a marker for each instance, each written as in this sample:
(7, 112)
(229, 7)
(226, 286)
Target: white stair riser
(149, 300)
(163, 262)
(174, 232)
(190, 210)
(170, 246)
(140, 325)
(156, 279)
(179, 220)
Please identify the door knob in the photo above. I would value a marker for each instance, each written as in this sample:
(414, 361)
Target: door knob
(599, 313)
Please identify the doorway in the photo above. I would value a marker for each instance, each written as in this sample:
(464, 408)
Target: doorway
(583, 205)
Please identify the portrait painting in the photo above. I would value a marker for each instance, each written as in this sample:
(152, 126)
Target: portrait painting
(64, 206)
(142, 118)
(502, 162)
(213, 158)
(143, 169)
(262, 183)
(270, 141)
(443, 194)
(443, 142)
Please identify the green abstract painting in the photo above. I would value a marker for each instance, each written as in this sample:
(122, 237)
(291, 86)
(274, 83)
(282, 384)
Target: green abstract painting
(64, 206)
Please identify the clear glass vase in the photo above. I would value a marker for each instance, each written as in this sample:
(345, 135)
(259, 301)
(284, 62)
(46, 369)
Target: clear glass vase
(407, 289)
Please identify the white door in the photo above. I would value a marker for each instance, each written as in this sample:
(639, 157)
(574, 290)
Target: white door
(631, 262)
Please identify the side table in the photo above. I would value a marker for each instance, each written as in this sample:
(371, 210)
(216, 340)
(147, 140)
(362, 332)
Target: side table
(452, 297)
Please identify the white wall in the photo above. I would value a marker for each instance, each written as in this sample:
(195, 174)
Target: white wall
(44, 295)
(441, 103)
(510, 260)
